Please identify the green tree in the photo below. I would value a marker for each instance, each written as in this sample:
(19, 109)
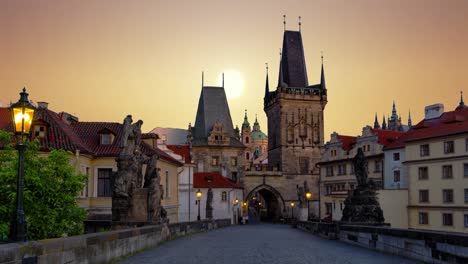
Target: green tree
(51, 186)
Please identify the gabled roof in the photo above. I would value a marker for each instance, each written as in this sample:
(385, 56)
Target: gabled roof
(386, 137)
(212, 180)
(182, 150)
(449, 123)
(293, 71)
(348, 141)
(82, 136)
(212, 107)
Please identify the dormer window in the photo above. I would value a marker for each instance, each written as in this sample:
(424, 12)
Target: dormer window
(106, 139)
(106, 136)
(39, 131)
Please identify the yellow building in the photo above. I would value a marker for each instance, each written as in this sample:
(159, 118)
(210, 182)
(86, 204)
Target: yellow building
(436, 152)
(94, 147)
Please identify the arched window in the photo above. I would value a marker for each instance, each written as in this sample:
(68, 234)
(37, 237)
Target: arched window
(246, 140)
(247, 156)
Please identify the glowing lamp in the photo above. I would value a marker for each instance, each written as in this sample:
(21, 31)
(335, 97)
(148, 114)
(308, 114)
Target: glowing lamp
(292, 204)
(199, 194)
(23, 114)
(236, 201)
(308, 195)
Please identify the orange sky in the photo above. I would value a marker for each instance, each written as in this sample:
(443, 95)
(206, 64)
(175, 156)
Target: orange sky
(104, 59)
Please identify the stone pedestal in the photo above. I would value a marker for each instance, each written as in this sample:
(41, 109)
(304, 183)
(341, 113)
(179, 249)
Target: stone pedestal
(139, 211)
(362, 206)
(302, 214)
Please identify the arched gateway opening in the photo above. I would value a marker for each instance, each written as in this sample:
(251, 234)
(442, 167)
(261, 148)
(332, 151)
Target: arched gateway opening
(265, 203)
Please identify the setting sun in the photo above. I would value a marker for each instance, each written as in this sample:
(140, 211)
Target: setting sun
(233, 84)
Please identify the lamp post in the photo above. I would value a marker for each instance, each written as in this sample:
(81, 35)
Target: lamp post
(22, 115)
(308, 197)
(292, 210)
(199, 195)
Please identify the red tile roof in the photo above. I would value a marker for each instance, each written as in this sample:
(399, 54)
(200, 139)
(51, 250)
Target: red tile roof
(387, 137)
(348, 141)
(182, 150)
(212, 180)
(449, 123)
(82, 136)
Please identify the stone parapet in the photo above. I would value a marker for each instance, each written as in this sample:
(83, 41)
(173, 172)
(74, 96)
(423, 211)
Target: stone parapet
(102, 247)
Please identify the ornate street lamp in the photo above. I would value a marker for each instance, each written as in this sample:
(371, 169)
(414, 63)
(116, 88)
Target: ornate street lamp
(199, 195)
(308, 197)
(22, 115)
(292, 210)
(236, 201)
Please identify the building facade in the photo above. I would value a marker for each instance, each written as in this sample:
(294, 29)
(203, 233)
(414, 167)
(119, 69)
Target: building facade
(436, 152)
(337, 178)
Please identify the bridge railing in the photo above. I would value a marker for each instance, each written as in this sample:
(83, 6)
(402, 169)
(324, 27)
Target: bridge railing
(422, 245)
(102, 247)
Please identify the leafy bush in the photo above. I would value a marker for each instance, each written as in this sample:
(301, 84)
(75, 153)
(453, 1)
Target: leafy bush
(51, 185)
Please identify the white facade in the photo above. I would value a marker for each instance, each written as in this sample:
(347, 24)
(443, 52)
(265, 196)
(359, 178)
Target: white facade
(187, 195)
(395, 174)
(224, 206)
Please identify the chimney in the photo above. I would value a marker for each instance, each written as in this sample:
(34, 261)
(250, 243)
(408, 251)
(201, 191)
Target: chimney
(433, 111)
(42, 105)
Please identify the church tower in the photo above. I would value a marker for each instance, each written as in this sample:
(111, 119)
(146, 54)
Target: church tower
(295, 112)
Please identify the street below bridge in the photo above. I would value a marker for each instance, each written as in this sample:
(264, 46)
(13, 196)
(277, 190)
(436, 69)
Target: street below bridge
(262, 243)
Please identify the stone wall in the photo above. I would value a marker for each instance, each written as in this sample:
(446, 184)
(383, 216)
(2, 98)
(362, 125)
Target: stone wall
(100, 247)
(426, 246)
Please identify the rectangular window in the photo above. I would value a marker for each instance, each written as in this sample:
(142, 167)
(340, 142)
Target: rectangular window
(104, 182)
(447, 195)
(329, 170)
(466, 220)
(396, 156)
(465, 170)
(234, 176)
(214, 161)
(396, 176)
(344, 169)
(423, 218)
(233, 161)
(466, 195)
(447, 172)
(328, 208)
(423, 173)
(423, 196)
(466, 144)
(167, 185)
(39, 131)
(449, 147)
(377, 166)
(424, 150)
(447, 219)
(106, 139)
(328, 189)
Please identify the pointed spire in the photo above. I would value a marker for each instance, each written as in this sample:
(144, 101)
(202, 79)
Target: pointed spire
(256, 126)
(394, 113)
(246, 123)
(267, 85)
(384, 123)
(280, 75)
(300, 23)
(461, 105)
(410, 124)
(284, 22)
(322, 77)
(376, 122)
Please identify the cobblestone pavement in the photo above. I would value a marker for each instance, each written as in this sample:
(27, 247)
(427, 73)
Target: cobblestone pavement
(265, 243)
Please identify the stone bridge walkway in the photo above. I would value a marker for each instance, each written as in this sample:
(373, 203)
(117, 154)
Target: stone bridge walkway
(264, 243)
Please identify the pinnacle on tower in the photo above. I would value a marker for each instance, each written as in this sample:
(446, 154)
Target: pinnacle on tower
(267, 85)
(246, 123)
(384, 123)
(410, 124)
(376, 122)
(394, 112)
(461, 105)
(322, 77)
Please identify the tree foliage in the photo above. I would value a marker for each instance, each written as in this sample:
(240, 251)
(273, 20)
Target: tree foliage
(51, 186)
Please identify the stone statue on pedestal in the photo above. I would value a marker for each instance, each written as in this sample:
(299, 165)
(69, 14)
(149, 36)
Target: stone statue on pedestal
(209, 206)
(362, 205)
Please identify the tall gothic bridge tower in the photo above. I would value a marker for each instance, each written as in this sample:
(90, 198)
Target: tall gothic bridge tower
(295, 137)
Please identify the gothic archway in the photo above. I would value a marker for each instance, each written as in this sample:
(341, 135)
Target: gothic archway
(265, 203)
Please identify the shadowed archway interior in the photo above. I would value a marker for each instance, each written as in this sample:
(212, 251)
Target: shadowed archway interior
(265, 204)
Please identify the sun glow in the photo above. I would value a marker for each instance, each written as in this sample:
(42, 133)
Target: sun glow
(233, 84)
